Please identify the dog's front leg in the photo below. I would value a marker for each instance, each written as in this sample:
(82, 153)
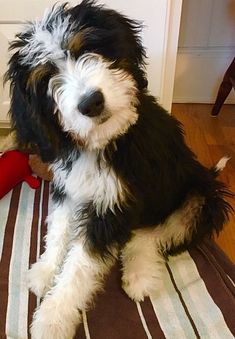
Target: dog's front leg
(75, 286)
(42, 273)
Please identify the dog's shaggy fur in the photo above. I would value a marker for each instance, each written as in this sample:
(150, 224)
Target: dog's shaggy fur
(124, 180)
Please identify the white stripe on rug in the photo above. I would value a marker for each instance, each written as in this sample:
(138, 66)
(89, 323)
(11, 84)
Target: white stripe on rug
(50, 202)
(39, 229)
(145, 326)
(169, 310)
(17, 310)
(205, 313)
(40, 222)
(85, 325)
(4, 209)
(233, 283)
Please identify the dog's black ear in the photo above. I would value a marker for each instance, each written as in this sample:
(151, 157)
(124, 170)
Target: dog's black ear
(112, 35)
(31, 110)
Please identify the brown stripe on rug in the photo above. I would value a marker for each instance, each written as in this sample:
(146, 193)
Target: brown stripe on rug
(114, 315)
(215, 285)
(221, 258)
(32, 302)
(6, 256)
(151, 319)
(182, 302)
(220, 268)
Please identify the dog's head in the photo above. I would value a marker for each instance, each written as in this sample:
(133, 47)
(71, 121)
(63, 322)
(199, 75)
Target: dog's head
(75, 77)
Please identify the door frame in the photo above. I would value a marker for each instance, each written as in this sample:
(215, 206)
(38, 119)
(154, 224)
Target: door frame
(172, 28)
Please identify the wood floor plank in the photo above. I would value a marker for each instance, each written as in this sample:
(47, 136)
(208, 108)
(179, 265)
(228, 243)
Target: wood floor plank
(210, 139)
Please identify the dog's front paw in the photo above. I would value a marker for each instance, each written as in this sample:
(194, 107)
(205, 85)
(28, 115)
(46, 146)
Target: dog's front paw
(40, 278)
(53, 320)
(139, 285)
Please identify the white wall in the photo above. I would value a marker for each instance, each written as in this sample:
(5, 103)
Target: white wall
(206, 48)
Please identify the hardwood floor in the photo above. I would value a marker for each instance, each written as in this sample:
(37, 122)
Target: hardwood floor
(210, 139)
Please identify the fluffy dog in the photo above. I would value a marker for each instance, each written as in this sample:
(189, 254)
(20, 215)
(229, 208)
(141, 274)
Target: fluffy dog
(125, 183)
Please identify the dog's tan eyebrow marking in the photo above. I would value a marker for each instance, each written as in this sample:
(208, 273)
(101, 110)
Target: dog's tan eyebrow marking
(37, 74)
(77, 41)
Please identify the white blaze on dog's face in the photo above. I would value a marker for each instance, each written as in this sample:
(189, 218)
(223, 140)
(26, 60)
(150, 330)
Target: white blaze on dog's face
(95, 101)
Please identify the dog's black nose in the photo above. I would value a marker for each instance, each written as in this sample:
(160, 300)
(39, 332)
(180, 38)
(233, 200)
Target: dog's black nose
(92, 105)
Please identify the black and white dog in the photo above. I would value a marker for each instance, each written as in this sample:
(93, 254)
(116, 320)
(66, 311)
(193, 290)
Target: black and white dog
(125, 183)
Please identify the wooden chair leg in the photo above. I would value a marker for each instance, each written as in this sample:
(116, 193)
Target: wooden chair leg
(224, 90)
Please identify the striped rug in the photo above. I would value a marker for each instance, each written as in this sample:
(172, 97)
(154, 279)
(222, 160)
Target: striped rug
(196, 298)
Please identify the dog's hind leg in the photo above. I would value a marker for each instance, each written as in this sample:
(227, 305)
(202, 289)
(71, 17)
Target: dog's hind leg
(142, 264)
(80, 279)
(41, 274)
(144, 255)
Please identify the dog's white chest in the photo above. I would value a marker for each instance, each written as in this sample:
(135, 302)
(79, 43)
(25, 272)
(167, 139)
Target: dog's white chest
(90, 181)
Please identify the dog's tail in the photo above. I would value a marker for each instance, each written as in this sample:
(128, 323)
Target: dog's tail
(220, 165)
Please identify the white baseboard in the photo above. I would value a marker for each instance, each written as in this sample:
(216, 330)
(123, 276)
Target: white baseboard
(199, 100)
(199, 72)
(5, 124)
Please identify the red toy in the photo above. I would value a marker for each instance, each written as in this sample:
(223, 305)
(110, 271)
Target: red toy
(14, 168)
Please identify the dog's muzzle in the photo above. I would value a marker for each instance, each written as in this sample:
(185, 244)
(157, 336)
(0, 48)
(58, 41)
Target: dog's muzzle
(92, 105)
